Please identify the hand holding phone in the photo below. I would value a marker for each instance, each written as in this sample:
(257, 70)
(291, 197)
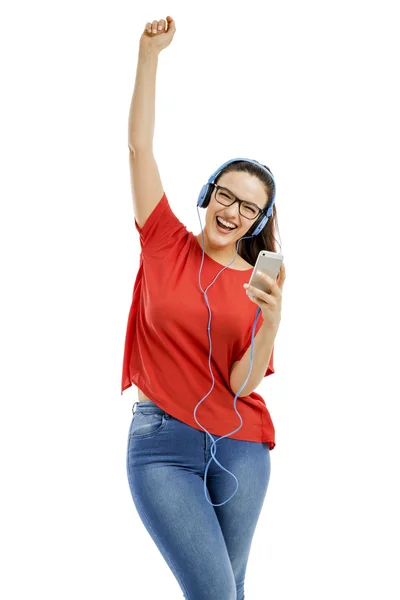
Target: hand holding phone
(269, 263)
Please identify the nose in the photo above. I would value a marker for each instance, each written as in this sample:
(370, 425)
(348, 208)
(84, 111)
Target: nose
(232, 212)
(233, 215)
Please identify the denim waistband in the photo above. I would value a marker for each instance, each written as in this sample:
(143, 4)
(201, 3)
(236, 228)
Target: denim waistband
(149, 405)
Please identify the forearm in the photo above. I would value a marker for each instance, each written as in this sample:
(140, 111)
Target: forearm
(262, 350)
(142, 109)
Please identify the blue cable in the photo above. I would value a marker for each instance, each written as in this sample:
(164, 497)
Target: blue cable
(203, 201)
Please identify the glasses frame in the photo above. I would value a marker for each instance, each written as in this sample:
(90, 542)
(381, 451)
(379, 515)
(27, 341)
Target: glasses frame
(261, 210)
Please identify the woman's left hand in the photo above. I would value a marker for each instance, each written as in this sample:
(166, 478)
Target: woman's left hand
(270, 304)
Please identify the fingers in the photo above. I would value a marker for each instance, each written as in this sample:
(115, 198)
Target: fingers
(282, 274)
(156, 26)
(266, 277)
(254, 292)
(273, 285)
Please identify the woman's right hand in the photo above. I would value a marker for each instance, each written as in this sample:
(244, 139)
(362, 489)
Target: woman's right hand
(155, 42)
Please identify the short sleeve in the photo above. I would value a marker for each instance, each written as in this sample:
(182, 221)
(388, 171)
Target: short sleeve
(161, 231)
(270, 368)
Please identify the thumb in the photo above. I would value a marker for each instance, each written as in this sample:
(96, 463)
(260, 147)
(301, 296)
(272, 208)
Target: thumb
(171, 23)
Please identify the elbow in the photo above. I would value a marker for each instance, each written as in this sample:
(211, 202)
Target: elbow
(235, 385)
(236, 388)
(140, 146)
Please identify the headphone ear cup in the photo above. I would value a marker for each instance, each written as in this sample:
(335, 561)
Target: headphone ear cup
(255, 225)
(207, 197)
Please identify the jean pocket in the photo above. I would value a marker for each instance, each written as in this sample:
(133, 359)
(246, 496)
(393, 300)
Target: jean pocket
(147, 424)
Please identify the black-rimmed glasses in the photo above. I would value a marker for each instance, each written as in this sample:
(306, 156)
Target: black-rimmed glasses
(246, 209)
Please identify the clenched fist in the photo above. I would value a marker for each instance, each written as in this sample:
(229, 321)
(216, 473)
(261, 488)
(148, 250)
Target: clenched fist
(157, 35)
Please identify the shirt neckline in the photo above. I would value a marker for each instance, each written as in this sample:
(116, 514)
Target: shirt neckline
(196, 242)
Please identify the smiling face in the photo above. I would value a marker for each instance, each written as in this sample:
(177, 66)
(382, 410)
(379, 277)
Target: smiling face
(245, 187)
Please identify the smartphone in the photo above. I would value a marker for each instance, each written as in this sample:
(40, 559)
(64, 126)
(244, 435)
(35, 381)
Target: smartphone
(269, 263)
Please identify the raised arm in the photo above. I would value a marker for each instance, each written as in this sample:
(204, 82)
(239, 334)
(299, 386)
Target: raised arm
(147, 189)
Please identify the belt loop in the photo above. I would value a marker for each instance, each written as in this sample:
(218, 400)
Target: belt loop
(134, 406)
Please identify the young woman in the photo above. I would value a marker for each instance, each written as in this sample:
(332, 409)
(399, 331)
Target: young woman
(206, 544)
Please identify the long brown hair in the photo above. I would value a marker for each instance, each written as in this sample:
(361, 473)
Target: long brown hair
(250, 248)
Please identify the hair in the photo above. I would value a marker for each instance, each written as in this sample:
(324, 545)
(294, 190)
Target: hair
(250, 248)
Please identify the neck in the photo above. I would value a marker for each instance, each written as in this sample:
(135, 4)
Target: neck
(221, 253)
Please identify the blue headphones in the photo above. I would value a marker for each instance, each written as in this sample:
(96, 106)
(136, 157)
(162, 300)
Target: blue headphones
(206, 191)
(202, 202)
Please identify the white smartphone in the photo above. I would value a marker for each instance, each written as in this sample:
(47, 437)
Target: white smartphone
(269, 263)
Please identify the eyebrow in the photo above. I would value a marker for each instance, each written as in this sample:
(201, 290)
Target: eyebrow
(247, 201)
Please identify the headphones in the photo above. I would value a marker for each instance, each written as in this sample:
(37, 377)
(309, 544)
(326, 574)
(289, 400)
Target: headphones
(262, 220)
(206, 191)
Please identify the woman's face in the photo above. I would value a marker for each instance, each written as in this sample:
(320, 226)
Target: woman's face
(245, 187)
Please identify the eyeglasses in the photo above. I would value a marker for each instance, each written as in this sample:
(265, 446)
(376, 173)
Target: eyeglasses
(246, 209)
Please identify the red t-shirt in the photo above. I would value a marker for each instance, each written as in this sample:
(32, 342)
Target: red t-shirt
(167, 345)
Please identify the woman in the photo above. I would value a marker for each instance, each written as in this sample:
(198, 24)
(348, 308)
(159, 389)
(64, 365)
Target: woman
(206, 545)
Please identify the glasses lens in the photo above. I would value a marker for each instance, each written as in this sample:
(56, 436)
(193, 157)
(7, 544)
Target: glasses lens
(246, 210)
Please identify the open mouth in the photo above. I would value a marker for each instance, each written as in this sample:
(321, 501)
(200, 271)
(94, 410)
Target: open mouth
(222, 228)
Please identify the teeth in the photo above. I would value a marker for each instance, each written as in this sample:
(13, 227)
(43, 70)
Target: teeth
(226, 223)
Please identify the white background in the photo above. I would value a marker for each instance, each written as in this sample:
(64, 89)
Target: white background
(311, 90)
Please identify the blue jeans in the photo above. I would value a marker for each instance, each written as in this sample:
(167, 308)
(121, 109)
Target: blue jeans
(206, 547)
